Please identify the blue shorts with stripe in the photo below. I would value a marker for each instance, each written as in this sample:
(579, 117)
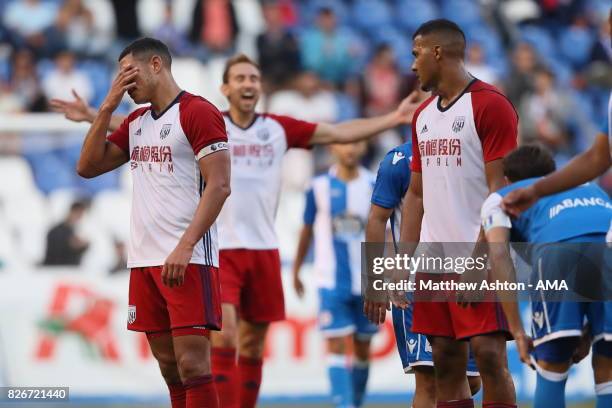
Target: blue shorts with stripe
(413, 348)
(578, 264)
(342, 314)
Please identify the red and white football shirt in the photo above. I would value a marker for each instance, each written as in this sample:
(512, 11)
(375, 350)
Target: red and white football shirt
(247, 218)
(450, 148)
(164, 151)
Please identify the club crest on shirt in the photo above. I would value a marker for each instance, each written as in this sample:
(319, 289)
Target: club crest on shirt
(131, 314)
(458, 124)
(165, 131)
(263, 134)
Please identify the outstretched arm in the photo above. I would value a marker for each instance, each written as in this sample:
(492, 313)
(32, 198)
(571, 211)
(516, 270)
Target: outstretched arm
(358, 129)
(583, 168)
(79, 111)
(98, 155)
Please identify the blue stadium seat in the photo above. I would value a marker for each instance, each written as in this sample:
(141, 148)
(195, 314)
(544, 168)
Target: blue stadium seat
(371, 15)
(575, 45)
(5, 69)
(410, 14)
(488, 40)
(540, 40)
(465, 13)
(307, 11)
(50, 172)
(360, 46)
(107, 181)
(401, 44)
(99, 75)
(44, 67)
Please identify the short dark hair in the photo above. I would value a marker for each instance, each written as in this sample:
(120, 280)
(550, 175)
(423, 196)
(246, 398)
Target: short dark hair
(439, 25)
(237, 59)
(528, 161)
(150, 46)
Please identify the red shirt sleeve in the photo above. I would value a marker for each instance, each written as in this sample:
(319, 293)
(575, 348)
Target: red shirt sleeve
(121, 136)
(298, 132)
(496, 123)
(202, 123)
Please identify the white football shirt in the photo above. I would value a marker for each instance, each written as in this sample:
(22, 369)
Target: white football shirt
(450, 148)
(247, 218)
(164, 151)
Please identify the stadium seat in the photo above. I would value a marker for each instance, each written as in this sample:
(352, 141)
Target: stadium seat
(99, 74)
(410, 14)
(371, 15)
(540, 40)
(401, 44)
(21, 181)
(50, 172)
(575, 45)
(463, 12)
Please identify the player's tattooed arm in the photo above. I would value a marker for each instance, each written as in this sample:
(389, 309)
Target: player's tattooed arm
(79, 110)
(359, 129)
(581, 169)
(300, 255)
(215, 169)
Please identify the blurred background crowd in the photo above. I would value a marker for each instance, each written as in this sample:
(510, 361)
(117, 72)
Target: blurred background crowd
(322, 60)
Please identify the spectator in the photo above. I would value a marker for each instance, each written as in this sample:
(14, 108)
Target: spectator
(477, 66)
(279, 56)
(64, 247)
(30, 24)
(383, 83)
(325, 49)
(214, 27)
(520, 80)
(170, 34)
(602, 49)
(78, 25)
(545, 113)
(24, 83)
(127, 27)
(65, 77)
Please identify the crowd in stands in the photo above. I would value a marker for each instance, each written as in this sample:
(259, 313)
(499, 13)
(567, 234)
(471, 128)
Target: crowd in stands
(322, 60)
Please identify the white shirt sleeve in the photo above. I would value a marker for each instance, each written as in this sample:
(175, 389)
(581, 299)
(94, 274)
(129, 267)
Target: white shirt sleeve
(492, 215)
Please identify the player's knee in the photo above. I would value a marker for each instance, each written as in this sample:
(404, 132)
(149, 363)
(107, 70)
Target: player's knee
(226, 338)
(192, 364)
(362, 349)
(336, 345)
(168, 366)
(425, 380)
(252, 345)
(489, 359)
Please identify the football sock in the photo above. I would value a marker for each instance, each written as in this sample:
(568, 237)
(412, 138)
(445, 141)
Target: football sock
(361, 370)
(225, 372)
(201, 392)
(604, 395)
(550, 389)
(340, 380)
(250, 380)
(178, 396)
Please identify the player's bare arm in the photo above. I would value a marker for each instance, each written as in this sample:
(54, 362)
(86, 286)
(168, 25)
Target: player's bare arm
(99, 156)
(79, 110)
(375, 309)
(581, 169)
(215, 169)
(503, 270)
(410, 230)
(300, 255)
(358, 129)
